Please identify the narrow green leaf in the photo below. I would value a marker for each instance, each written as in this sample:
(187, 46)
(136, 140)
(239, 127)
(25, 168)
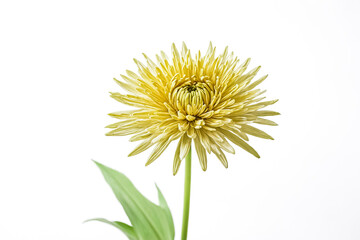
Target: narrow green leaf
(149, 221)
(165, 206)
(126, 229)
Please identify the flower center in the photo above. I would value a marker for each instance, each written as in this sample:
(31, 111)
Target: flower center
(191, 88)
(190, 99)
(192, 94)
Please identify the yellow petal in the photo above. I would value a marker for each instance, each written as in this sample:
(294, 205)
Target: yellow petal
(267, 103)
(226, 146)
(200, 150)
(142, 147)
(241, 143)
(177, 160)
(158, 150)
(265, 122)
(122, 132)
(220, 155)
(254, 84)
(255, 132)
(185, 144)
(264, 113)
(191, 132)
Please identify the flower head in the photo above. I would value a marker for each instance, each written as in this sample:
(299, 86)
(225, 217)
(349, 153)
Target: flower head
(207, 100)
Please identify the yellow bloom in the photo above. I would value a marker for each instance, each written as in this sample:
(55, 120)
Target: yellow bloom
(207, 100)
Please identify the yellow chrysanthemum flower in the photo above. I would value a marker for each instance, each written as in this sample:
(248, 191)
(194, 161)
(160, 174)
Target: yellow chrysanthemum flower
(207, 100)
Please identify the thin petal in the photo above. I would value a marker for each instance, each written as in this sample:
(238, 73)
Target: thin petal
(200, 150)
(126, 86)
(254, 84)
(235, 130)
(185, 146)
(264, 113)
(265, 122)
(220, 155)
(158, 150)
(177, 160)
(241, 143)
(142, 147)
(255, 132)
(204, 140)
(122, 132)
(226, 146)
(120, 124)
(266, 103)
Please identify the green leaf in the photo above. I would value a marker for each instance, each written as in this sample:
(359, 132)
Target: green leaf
(164, 205)
(149, 221)
(126, 229)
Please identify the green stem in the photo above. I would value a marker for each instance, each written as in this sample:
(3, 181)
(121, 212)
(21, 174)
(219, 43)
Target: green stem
(187, 184)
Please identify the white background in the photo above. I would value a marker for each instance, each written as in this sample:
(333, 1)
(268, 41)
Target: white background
(57, 61)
